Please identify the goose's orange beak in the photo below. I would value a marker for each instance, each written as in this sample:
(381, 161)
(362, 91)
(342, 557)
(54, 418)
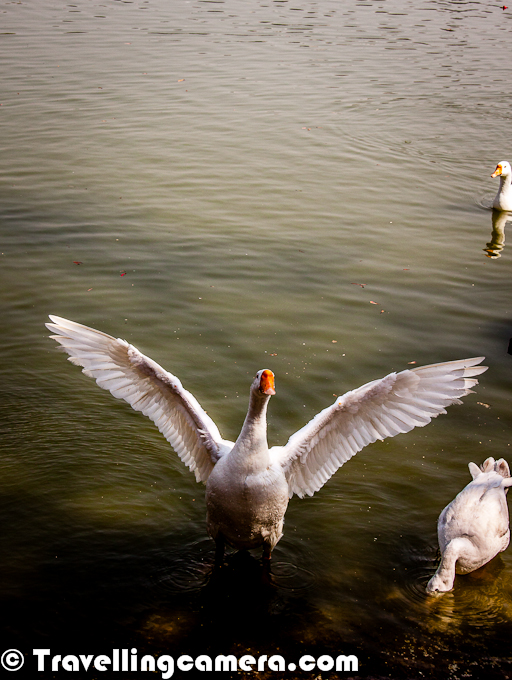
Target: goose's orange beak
(267, 385)
(498, 171)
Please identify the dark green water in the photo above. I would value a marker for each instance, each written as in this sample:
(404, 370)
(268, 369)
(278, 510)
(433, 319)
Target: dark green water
(230, 186)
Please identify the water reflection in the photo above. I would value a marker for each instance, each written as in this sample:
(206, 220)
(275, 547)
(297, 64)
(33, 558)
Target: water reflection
(481, 599)
(497, 243)
(478, 599)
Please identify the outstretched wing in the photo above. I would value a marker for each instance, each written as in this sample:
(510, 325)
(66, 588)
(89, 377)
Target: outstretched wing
(382, 408)
(120, 368)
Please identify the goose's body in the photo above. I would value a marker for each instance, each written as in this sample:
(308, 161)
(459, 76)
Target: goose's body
(248, 485)
(503, 199)
(474, 527)
(246, 508)
(247, 492)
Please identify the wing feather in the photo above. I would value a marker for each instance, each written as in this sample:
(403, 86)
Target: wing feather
(120, 368)
(382, 408)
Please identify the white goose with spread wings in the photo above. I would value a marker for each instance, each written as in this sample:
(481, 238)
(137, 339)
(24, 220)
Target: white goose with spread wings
(248, 485)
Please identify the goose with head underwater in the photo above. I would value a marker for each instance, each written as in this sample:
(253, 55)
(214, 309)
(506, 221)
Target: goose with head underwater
(248, 485)
(474, 527)
(503, 199)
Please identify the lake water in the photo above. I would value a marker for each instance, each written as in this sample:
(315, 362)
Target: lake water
(233, 185)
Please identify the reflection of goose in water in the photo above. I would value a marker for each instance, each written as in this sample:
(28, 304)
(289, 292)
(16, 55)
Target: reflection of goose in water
(474, 527)
(497, 243)
(248, 485)
(503, 199)
(481, 599)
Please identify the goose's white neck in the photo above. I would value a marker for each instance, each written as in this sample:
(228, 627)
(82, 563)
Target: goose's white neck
(443, 579)
(505, 181)
(251, 447)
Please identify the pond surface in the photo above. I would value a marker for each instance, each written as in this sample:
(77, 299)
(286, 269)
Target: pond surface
(235, 185)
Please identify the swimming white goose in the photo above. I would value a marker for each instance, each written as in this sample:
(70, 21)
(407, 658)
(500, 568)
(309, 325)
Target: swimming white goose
(473, 528)
(503, 199)
(247, 485)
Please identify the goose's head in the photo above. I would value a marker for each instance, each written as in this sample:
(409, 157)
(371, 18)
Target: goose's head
(502, 168)
(441, 582)
(263, 383)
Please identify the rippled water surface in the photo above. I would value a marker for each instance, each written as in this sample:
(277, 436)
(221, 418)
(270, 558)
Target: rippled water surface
(234, 185)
